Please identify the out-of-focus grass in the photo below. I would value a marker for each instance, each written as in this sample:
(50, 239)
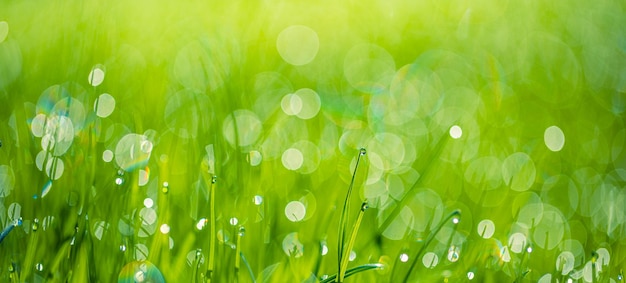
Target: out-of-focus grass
(391, 76)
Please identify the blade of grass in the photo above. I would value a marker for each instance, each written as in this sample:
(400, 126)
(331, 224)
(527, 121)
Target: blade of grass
(430, 238)
(196, 265)
(405, 198)
(238, 252)
(245, 262)
(8, 229)
(213, 236)
(343, 219)
(355, 230)
(355, 270)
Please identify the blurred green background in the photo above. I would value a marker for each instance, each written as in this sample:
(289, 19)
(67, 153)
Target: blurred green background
(115, 115)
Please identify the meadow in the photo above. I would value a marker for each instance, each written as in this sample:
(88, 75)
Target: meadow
(312, 141)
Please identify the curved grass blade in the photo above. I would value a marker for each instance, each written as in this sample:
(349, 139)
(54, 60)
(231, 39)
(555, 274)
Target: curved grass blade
(355, 270)
(405, 198)
(213, 236)
(245, 262)
(343, 220)
(430, 238)
(8, 229)
(355, 230)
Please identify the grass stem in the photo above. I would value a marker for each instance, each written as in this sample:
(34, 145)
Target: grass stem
(355, 230)
(430, 238)
(343, 220)
(213, 237)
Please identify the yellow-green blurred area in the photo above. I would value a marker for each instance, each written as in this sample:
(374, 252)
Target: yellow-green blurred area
(116, 115)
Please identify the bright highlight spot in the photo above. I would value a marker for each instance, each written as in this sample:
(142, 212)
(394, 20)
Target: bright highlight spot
(352, 256)
(130, 152)
(96, 76)
(554, 138)
(164, 228)
(456, 132)
(546, 278)
(486, 228)
(291, 104)
(55, 168)
(38, 124)
(453, 253)
(107, 156)
(292, 159)
(519, 172)
(470, 275)
(292, 245)
(297, 45)
(255, 158)
(201, 223)
(148, 202)
(565, 262)
(305, 103)
(430, 260)
(258, 200)
(404, 257)
(310, 103)
(104, 105)
(144, 177)
(148, 216)
(295, 211)
(234, 221)
(517, 242)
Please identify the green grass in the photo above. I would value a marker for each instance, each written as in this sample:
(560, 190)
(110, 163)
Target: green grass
(213, 141)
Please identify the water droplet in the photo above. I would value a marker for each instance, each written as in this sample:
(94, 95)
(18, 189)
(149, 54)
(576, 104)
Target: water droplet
(453, 254)
(201, 223)
(258, 200)
(166, 187)
(363, 151)
(352, 256)
(404, 257)
(214, 179)
(456, 220)
(456, 132)
(119, 181)
(122, 248)
(324, 249)
(39, 267)
(242, 231)
(35, 225)
(234, 221)
(365, 206)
